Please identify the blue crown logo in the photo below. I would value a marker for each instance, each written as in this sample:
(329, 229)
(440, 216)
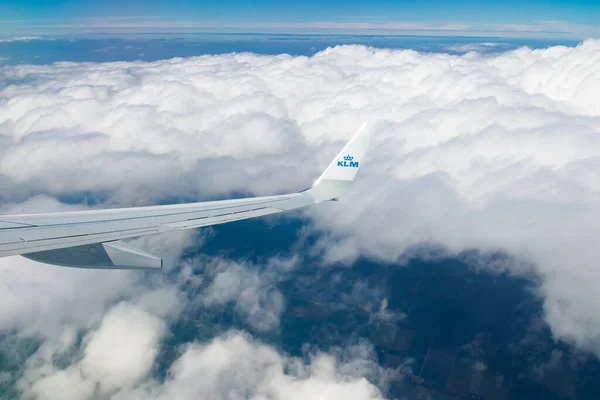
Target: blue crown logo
(348, 162)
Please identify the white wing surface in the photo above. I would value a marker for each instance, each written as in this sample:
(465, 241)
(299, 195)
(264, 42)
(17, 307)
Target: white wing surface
(92, 239)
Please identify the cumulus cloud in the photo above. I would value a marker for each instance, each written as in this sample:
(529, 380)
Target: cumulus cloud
(490, 152)
(117, 358)
(40, 300)
(126, 334)
(118, 354)
(235, 366)
(251, 289)
(114, 355)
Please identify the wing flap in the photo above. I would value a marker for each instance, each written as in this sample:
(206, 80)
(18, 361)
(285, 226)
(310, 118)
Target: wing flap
(109, 255)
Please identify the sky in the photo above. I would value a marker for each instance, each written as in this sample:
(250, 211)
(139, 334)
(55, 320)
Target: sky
(540, 18)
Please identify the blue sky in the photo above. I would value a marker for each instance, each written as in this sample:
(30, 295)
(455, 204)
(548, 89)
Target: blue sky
(575, 19)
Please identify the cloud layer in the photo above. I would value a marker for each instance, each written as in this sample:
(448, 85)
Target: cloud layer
(495, 153)
(22, 39)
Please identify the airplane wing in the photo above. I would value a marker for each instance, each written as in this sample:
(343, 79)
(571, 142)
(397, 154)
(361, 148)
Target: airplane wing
(92, 239)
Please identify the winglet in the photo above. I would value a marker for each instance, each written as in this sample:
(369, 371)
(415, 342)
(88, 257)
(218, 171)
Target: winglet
(341, 172)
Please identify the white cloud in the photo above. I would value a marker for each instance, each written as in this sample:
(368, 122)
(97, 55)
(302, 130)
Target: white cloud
(39, 299)
(250, 288)
(495, 153)
(117, 355)
(235, 366)
(483, 47)
(122, 350)
(23, 39)
(68, 383)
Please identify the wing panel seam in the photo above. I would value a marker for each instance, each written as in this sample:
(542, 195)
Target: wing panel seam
(146, 216)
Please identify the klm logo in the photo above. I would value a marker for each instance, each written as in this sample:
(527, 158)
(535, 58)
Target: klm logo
(348, 162)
